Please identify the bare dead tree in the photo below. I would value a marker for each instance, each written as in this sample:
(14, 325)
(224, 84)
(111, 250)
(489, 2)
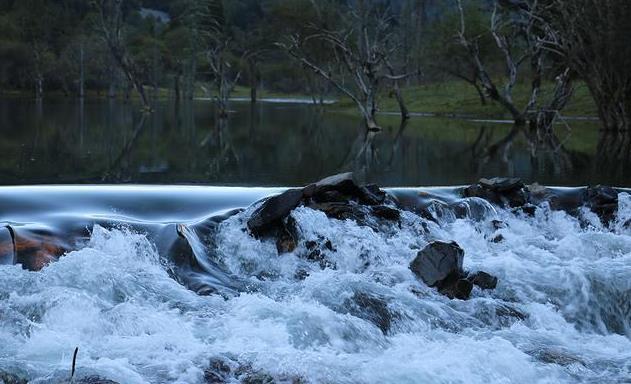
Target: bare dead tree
(224, 73)
(360, 52)
(110, 25)
(518, 35)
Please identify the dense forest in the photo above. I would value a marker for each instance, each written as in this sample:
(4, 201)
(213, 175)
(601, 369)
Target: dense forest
(359, 50)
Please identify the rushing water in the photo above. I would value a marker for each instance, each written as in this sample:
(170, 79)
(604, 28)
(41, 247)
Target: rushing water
(561, 311)
(276, 144)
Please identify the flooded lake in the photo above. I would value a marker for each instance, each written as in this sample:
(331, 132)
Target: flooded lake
(283, 144)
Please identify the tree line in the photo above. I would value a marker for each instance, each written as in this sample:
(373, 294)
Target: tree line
(362, 50)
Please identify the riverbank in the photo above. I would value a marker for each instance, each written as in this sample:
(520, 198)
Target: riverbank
(445, 99)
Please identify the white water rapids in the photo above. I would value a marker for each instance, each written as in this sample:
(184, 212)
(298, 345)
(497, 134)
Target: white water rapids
(561, 312)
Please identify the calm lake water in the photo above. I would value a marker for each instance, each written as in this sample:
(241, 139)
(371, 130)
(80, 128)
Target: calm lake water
(275, 144)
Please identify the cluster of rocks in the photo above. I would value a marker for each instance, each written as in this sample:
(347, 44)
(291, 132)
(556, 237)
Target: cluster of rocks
(338, 196)
(223, 370)
(439, 265)
(513, 193)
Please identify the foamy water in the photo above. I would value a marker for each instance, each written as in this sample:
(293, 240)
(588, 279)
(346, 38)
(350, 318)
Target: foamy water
(560, 313)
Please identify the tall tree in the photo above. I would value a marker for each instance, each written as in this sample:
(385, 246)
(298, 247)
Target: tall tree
(111, 25)
(593, 37)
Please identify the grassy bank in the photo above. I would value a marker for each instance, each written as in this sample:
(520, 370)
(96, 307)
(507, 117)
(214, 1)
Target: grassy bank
(460, 98)
(443, 99)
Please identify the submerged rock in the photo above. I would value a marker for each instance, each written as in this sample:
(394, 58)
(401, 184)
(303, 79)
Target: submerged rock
(483, 280)
(371, 308)
(455, 287)
(437, 261)
(94, 380)
(217, 372)
(9, 378)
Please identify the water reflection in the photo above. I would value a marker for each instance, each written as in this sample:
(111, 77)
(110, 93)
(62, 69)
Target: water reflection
(109, 141)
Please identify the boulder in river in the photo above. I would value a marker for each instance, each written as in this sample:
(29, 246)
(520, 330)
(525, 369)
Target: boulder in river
(502, 191)
(603, 201)
(339, 196)
(437, 261)
(371, 308)
(483, 280)
(273, 211)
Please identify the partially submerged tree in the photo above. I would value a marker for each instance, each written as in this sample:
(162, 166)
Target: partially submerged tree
(518, 35)
(361, 50)
(110, 24)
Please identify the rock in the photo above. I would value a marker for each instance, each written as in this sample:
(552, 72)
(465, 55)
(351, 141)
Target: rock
(94, 380)
(498, 239)
(371, 308)
(218, 372)
(483, 280)
(9, 378)
(455, 287)
(603, 201)
(287, 238)
(498, 224)
(258, 378)
(501, 184)
(341, 185)
(385, 212)
(527, 209)
(341, 211)
(437, 261)
(558, 357)
(273, 210)
(501, 191)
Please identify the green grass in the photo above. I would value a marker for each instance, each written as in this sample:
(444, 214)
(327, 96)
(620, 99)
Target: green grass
(460, 98)
(443, 99)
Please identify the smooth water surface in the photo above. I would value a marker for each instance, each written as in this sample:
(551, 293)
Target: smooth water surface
(276, 144)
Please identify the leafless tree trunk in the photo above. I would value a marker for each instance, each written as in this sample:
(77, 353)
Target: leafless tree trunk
(111, 29)
(81, 71)
(359, 52)
(514, 27)
(226, 77)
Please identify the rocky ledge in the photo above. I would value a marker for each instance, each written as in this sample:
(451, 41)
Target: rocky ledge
(439, 264)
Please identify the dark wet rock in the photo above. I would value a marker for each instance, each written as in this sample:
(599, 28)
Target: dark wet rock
(603, 201)
(301, 274)
(507, 311)
(455, 287)
(385, 212)
(370, 308)
(497, 239)
(437, 261)
(258, 378)
(317, 252)
(94, 380)
(500, 190)
(342, 211)
(527, 209)
(483, 280)
(501, 184)
(498, 224)
(273, 211)
(287, 236)
(10, 378)
(7, 246)
(217, 372)
(559, 357)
